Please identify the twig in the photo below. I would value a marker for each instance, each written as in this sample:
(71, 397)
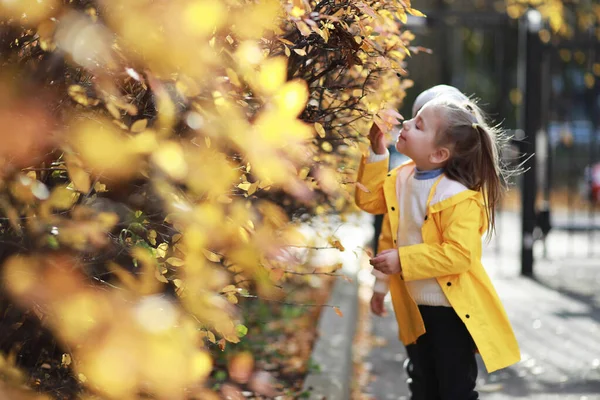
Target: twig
(288, 303)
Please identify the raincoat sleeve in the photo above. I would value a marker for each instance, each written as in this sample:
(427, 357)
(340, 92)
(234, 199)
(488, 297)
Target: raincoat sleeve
(371, 176)
(460, 248)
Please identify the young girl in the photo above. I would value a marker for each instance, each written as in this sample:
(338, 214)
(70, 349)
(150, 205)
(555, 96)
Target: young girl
(439, 205)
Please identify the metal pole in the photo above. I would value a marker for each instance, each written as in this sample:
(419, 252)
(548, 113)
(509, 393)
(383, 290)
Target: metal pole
(532, 123)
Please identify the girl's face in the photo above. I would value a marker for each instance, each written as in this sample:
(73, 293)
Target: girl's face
(417, 138)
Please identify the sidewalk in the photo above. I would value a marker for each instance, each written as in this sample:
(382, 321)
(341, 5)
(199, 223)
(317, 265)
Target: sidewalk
(556, 319)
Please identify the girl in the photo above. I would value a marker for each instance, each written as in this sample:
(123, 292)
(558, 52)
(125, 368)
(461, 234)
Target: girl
(439, 205)
(381, 287)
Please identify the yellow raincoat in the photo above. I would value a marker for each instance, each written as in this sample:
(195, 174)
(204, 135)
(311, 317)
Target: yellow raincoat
(451, 253)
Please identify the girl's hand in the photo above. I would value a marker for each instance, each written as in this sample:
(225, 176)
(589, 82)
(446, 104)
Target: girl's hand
(377, 306)
(377, 139)
(387, 262)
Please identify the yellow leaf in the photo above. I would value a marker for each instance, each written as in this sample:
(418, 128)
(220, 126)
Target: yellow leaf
(107, 220)
(228, 288)
(231, 339)
(104, 149)
(174, 261)
(304, 173)
(113, 110)
(252, 188)
(287, 51)
(139, 125)
(211, 337)
(66, 360)
(589, 80)
(320, 130)
(100, 187)
(300, 52)
(402, 16)
(415, 12)
(273, 74)
(211, 256)
(161, 250)
(80, 178)
(303, 28)
(62, 198)
(338, 311)
(152, 237)
(285, 41)
(159, 277)
(201, 365)
(244, 185)
(170, 158)
(336, 243)
(292, 97)
(79, 94)
(231, 298)
(233, 77)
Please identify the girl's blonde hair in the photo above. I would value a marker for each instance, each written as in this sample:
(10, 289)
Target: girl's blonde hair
(474, 153)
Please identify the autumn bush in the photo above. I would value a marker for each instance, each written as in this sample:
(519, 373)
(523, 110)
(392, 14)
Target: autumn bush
(157, 158)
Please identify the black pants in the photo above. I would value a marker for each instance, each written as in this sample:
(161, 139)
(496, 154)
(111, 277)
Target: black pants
(443, 359)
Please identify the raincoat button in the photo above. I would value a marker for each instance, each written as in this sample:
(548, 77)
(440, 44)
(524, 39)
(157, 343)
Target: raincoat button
(393, 208)
(449, 284)
(468, 316)
(426, 218)
(389, 174)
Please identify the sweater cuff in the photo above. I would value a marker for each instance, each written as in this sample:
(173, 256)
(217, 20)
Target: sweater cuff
(373, 157)
(381, 286)
(380, 275)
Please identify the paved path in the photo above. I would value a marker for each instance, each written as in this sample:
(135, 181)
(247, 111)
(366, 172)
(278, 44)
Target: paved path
(556, 319)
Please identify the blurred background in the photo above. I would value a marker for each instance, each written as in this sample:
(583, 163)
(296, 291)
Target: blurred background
(543, 89)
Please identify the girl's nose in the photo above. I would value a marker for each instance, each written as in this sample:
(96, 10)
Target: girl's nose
(405, 124)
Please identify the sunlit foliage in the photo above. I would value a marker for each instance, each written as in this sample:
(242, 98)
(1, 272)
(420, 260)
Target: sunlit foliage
(563, 17)
(156, 156)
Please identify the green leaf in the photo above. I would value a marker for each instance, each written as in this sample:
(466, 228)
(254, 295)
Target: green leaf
(220, 375)
(241, 330)
(53, 242)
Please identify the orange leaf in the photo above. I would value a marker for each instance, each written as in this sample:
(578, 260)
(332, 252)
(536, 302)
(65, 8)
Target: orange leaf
(276, 274)
(338, 311)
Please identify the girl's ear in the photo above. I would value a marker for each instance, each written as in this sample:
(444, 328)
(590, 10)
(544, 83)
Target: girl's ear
(439, 156)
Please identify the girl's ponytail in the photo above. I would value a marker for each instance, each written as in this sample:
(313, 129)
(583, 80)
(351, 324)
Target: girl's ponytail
(474, 160)
(488, 165)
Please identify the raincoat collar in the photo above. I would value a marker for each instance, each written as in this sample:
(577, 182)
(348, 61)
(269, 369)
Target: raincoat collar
(451, 201)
